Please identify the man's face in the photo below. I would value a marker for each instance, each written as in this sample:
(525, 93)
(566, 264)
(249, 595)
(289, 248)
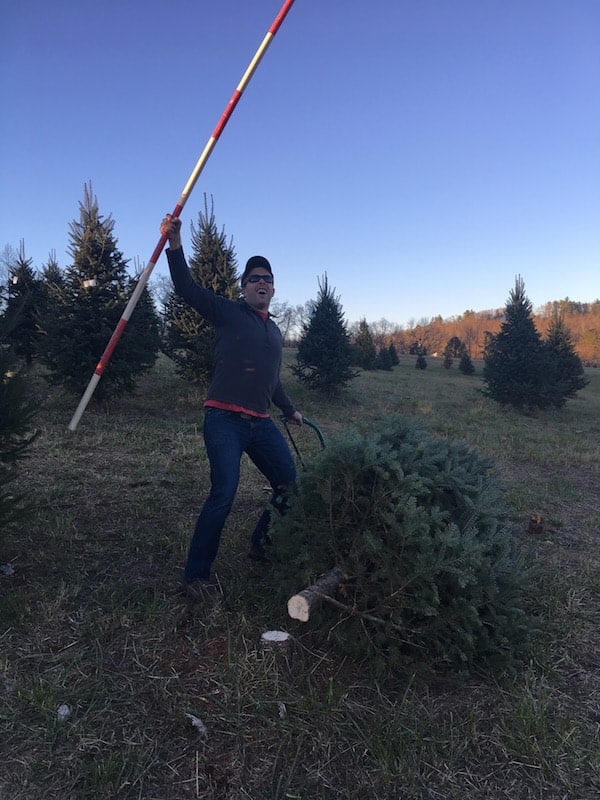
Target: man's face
(259, 289)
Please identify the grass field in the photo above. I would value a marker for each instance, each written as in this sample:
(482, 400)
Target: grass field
(92, 616)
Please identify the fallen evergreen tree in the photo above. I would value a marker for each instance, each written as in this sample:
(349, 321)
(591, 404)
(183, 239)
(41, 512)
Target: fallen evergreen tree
(419, 533)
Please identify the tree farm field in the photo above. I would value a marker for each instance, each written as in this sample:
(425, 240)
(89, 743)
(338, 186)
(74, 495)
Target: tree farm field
(163, 701)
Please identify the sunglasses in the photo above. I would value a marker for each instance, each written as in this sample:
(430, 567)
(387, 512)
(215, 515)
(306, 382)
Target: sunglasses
(257, 278)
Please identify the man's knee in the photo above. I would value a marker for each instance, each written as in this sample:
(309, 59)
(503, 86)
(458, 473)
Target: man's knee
(221, 499)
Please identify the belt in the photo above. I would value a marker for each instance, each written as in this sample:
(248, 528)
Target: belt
(244, 416)
(241, 414)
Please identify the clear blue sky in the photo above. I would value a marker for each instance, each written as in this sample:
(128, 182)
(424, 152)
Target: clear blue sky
(420, 152)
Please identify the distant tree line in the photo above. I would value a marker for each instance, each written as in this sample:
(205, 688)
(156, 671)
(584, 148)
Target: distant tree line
(474, 328)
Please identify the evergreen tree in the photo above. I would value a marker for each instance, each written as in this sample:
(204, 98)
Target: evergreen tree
(8, 259)
(365, 354)
(421, 362)
(383, 360)
(51, 272)
(454, 348)
(394, 359)
(143, 350)
(189, 337)
(52, 282)
(324, 355)
(516, 370)
(24, 301)
(465, 365)
(566, 374)
(421, 530)
(17, 412)
(87, 306)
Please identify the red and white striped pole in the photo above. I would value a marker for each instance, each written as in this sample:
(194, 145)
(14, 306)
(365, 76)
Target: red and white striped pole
(144, 277)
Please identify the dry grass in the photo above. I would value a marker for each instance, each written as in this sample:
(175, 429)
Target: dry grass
(93, 617)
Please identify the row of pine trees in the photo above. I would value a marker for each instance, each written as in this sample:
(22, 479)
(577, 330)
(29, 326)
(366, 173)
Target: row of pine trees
(63, 320)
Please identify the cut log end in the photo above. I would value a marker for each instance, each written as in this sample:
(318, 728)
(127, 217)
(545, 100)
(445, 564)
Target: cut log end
(298, 608)
(302, 604)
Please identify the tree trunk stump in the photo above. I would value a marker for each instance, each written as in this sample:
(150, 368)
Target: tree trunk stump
(278, 642)
(301, 605)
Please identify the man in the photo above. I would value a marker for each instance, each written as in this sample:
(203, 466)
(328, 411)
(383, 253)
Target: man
(245, 381)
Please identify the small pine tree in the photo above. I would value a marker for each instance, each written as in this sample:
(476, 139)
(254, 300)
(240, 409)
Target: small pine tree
(454, 348)
(51, 272)
(190, 338)
(324, 355)
(394, 359)
(87, 306)
(465, 364)
(365, 354)
(8, 259)
(567, 375)
(384, 360)
(421, 362)
(516, 365)
(143, 351)
(17, 412)
(24, 302)
(52, 283)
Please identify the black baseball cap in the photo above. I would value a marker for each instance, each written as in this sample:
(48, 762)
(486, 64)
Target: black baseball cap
(255, 262)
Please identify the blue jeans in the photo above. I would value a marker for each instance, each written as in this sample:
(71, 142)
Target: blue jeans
(227, 436)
